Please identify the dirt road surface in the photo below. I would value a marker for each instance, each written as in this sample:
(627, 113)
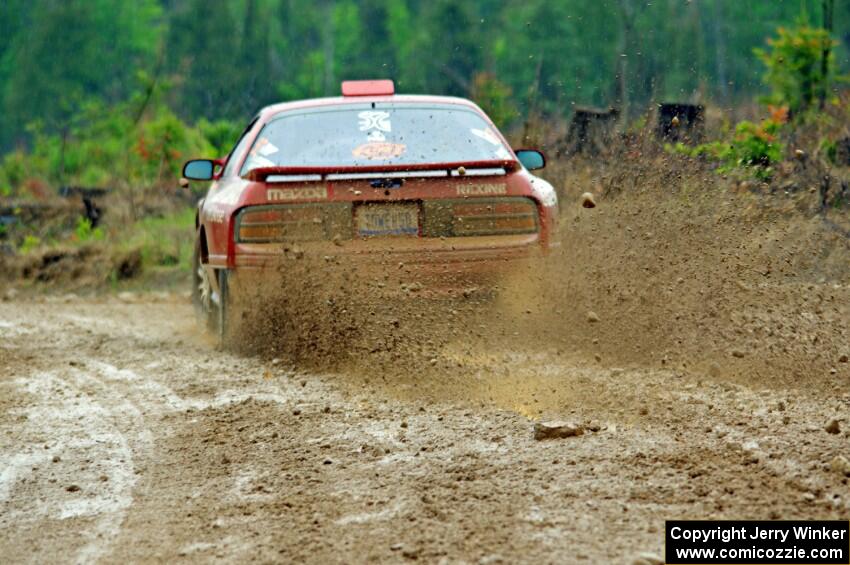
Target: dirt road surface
(126, 436)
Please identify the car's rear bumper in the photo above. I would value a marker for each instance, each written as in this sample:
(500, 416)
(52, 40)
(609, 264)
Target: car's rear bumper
(432, 261)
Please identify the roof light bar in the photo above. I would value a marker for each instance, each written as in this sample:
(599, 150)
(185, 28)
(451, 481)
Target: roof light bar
(383, 87)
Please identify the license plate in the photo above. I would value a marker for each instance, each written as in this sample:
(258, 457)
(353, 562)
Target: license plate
(387, 220)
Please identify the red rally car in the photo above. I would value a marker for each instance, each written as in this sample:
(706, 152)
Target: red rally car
(426, 180)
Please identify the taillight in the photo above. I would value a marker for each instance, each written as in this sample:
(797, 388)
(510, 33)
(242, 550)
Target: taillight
(295, 222)
(480, 216)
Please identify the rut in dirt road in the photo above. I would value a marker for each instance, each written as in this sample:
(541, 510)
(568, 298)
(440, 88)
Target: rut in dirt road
(139, 441)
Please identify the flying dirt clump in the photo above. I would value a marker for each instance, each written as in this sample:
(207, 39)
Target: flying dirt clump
(588, 200)
(833, 427)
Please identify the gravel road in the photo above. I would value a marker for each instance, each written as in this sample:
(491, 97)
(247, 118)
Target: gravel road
(126, 436)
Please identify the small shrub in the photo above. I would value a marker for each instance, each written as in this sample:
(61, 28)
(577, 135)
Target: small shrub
(85, 232)
(755, 145)
(830, 149)
(221, 134)
(30, 243)
(753, 148)
(795, 70)
(494, 97)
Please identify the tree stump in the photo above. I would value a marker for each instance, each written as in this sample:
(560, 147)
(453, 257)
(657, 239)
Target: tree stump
(93, 211)
(591, 130)
(680, 122)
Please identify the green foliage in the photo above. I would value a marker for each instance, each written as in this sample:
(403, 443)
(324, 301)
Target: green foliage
(227, 58)
(202, 40)
(84, 232)
(13, 172)
(224, 59)
(63, 54)
(800, 66)
(110, 148)
(754, 149)
(163, 143)
(494, 97)
(221, 134)
(829, 148)
(165, 241)
(30, 243)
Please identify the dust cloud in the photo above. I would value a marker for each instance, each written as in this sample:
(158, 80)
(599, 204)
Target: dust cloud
(676, 268)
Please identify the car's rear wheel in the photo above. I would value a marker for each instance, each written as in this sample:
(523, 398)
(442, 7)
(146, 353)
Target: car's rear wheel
(213, 310)
(202, 291)
(224, 310)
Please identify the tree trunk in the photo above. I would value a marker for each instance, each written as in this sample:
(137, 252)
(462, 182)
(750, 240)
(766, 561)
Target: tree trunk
(627, 16)
(328, 49)
(828, 10)
(530, 133)
(720, 51)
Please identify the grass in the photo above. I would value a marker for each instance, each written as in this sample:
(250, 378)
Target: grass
(153, 252)
(165, 242)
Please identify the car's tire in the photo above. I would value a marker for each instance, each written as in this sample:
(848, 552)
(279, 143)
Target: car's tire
(224, 311)
(213, 310)
(202, 292)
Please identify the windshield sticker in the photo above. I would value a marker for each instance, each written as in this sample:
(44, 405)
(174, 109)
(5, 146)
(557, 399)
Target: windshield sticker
(487, 135)
(375, 123)
(379, 150)
(263, 147)
(502, 153)
(257, 156)
(267, 148)
(256, 161)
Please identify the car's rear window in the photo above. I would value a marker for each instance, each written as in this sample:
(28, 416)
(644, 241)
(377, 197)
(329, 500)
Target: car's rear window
(386, 135)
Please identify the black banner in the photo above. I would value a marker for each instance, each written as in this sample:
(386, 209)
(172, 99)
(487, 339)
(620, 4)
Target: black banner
(742, 542)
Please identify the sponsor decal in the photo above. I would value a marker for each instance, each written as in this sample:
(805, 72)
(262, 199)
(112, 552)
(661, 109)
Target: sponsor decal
(379, 150)
(215, 216)
(375, 123)
(482, 189)
(229, 195)
(297, 193)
